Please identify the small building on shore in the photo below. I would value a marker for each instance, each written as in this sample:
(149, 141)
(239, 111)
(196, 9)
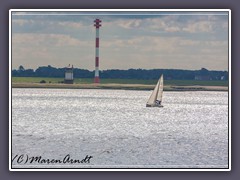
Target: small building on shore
(68, 75)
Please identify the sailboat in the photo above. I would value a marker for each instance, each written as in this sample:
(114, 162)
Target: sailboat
(155, 99)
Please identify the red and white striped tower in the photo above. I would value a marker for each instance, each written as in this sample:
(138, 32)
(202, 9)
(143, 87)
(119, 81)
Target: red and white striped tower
(97, 25)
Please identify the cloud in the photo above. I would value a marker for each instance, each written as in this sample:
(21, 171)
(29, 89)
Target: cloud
(56, 40)
(152, 24)
(20, 22)
(161, 41)
(201, 26)
(76, 25)
(131, 23)
(151, 52)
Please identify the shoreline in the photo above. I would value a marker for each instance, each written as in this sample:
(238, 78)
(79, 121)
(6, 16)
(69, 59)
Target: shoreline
(119, 86)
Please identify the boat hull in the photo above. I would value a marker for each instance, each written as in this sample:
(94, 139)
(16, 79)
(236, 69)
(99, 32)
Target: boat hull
(154, 105)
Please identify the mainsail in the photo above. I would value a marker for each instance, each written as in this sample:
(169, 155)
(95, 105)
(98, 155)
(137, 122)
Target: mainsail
(155, 99)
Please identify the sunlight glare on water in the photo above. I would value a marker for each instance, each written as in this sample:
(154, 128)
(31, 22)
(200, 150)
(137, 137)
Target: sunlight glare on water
(116, 128)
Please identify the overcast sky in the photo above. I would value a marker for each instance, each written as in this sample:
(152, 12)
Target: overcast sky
(147, 40)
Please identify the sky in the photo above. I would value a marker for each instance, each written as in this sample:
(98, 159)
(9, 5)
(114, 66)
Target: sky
(146, 40)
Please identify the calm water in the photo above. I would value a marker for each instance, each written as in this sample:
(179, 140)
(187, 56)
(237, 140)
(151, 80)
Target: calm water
(117, 130)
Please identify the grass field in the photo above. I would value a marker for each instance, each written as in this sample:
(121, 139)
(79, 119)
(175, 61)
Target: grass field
(121, 81)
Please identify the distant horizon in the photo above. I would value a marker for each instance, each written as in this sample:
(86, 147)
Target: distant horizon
(119, 69)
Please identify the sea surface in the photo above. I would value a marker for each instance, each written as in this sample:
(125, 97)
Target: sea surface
(115, 129)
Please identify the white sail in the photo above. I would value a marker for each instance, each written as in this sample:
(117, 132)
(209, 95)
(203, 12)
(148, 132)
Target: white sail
(155, 99)
(160, 91)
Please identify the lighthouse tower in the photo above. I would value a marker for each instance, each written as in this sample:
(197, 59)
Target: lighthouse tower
(97, 25)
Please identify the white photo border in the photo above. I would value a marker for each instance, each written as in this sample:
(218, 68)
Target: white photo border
(118, 10)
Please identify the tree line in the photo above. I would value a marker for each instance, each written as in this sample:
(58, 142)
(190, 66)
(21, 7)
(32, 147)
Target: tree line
(174, 74)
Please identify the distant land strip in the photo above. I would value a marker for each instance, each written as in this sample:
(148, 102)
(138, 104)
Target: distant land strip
(143, 74)
(118, 86)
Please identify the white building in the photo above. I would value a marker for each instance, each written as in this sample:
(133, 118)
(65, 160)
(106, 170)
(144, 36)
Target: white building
(68, 75)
